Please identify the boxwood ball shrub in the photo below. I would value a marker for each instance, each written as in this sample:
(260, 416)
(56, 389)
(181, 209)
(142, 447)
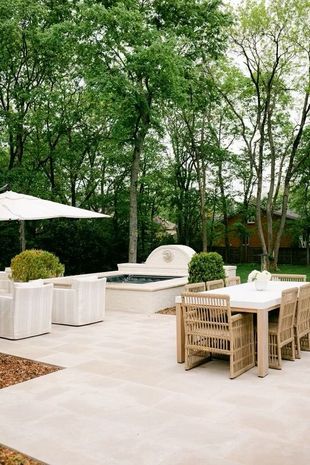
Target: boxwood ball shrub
(206, 266)
(35, 264)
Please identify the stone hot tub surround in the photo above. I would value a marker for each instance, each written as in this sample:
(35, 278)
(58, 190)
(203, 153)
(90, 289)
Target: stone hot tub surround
(170, 260)
(148, 297)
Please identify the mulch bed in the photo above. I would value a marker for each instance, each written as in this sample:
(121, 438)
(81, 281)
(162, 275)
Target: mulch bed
(15, 370)
(12, 457)
(167, 311)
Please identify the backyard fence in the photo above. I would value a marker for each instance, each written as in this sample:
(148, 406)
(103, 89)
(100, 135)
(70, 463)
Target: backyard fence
(292, 256)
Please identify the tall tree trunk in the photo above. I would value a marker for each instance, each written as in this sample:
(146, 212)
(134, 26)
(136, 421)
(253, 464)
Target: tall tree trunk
(277, 241)
(12, 150)
(134, 177)
(133, 214)
(265, 261)
(203, 217)
(224, 210)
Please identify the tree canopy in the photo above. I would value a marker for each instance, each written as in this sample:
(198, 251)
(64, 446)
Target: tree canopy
(184, 109)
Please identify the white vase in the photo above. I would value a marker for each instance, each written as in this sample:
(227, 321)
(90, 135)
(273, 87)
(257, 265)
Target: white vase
(261, 284)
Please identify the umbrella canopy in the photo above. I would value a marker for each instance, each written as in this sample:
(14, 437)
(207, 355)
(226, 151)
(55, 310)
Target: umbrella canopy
(15, 206)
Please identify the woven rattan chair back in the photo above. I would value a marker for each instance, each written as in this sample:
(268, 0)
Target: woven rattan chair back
(208, 313)
(211, 329)
(215, 284)
(281, 332)
(195, 287)
(288, 277)
(287, 314)
(232, 281)
(302, 321)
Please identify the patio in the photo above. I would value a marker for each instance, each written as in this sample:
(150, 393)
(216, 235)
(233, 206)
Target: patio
(123, 400)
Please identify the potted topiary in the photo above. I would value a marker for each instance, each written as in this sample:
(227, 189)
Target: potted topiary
(35, 264)
(206, 266)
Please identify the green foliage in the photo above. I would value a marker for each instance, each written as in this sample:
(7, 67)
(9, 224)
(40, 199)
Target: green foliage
(9, 242)
(206, 266)
(101, 244)
(83, 86)
(35, 264)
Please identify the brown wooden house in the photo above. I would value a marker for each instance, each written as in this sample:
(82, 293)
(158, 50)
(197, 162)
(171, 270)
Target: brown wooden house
(244, 241)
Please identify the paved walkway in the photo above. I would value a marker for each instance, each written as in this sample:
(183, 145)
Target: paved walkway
(123, 400)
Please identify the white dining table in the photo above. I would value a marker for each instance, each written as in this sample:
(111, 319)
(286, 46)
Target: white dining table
(246, 299)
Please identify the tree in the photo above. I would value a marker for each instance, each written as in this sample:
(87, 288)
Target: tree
(272, 82)
(200, 126)
(300, 200)
(183, 179)
(32, 51)
(140, 52)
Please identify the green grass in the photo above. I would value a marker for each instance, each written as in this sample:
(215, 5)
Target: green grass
(243, 270)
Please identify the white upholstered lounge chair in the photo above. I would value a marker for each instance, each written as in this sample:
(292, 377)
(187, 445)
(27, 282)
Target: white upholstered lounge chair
(27, 311)
(5, 282)
(82, 304)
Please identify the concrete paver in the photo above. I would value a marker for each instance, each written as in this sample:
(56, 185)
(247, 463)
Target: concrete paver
(123, 400)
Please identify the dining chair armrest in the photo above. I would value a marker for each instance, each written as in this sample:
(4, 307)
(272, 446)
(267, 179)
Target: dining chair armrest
(241, 320)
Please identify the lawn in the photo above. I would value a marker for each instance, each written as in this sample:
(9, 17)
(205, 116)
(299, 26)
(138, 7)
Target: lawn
(243, 270)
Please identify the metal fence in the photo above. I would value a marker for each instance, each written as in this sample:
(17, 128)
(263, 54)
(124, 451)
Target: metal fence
(292, 256)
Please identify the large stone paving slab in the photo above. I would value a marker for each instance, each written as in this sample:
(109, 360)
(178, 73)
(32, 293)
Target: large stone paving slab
(123, 400)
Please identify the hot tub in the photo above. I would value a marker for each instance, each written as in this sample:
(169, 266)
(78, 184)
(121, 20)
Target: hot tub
(137, 278)
(147, 287)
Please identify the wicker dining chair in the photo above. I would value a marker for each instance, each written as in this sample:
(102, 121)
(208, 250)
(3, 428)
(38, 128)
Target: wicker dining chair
(215, 284)
(288, 277)
(210, 328)
(232, 281)
(302, 320)
(195, 287)
(281, 330)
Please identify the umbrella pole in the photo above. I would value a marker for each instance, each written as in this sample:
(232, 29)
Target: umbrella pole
(22, 236)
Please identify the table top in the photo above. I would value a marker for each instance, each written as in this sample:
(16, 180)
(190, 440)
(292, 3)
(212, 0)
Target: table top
(246, 296)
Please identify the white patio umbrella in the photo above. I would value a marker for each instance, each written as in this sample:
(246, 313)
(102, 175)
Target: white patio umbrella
(21, 207)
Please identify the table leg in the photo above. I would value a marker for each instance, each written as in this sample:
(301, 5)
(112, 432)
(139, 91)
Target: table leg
(180, 336)
(262, 343)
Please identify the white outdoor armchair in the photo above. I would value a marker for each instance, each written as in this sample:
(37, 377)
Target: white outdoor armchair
(5, 282)
(27, 311)
(81, 304)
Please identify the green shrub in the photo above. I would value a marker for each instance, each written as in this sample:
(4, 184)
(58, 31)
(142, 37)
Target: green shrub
(35, 264)
(206, 266)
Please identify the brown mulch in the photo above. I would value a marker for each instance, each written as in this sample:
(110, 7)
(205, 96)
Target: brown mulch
(12, 457)
(167, 311)
(15, 370)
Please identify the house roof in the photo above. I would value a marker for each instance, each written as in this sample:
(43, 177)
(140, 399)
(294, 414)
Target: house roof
(290, 215)
(169, 227)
